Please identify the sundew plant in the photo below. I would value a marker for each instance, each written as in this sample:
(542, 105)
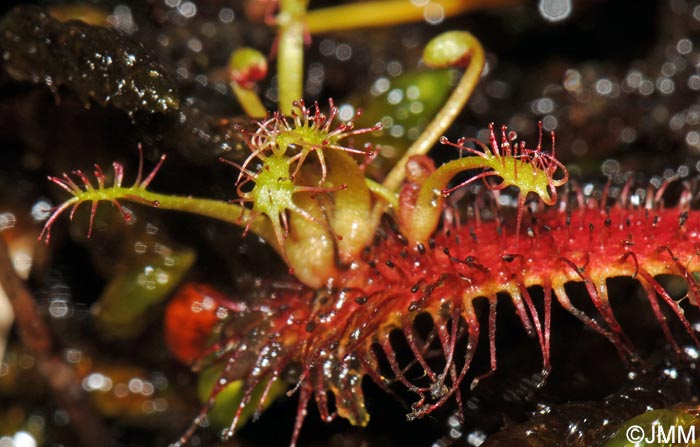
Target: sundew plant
(383, 231)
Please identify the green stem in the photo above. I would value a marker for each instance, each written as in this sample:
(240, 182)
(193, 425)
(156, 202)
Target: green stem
(391, 12)
(385, 194)
(455, 103)
(290, 56)
(250, 101)
(224, 211)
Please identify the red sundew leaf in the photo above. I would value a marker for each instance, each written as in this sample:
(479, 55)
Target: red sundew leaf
(343, 333)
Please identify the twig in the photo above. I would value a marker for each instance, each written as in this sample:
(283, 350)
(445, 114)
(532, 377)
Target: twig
(61, 378)
(7, 317)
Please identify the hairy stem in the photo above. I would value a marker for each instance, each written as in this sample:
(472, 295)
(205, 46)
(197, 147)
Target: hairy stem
(392, 12)
(227, 212)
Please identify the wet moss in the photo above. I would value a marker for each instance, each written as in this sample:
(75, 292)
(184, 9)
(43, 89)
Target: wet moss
(97, 63)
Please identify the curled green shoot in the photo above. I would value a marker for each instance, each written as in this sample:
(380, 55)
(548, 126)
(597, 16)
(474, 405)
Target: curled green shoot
(531, 171)
(246, 67)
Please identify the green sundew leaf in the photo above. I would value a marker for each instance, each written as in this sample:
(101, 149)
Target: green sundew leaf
(405, 108)
(122, 309)
(228, 400)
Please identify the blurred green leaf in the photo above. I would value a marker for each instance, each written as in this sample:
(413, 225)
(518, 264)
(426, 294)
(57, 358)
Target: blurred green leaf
(405, 107)
(228, 399)
(121, 311)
